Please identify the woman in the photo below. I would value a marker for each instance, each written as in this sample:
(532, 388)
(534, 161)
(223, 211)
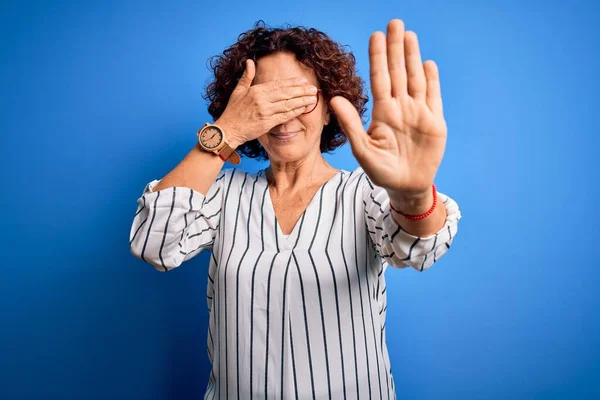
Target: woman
(296, 289)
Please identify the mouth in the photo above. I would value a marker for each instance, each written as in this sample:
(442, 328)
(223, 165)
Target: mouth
(284, 135)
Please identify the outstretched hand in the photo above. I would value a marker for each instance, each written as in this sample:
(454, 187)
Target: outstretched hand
(403, 147)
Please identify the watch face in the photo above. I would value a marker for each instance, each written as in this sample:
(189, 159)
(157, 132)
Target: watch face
(211, 137)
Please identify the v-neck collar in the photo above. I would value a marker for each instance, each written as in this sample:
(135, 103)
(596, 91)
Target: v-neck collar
(292, 240)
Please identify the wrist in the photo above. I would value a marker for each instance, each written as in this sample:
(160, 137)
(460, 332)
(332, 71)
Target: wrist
(231, 134)
(412, 203)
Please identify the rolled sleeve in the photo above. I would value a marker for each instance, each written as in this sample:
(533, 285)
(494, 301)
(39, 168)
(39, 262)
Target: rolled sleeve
(174, 224)
(398, 247)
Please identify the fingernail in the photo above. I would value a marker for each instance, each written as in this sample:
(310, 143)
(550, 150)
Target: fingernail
(312, 99)
(303, 80)
(312, 89)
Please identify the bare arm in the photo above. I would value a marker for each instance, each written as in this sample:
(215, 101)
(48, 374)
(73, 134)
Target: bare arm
(197, 171)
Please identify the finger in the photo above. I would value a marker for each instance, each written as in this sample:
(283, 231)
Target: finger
(290, 92)
(282, 118)
(380, 76)
(248, 75)
(286, 105)
(395, 57)
(434, 92)
(282, 83)
(414, 67)
(350, 122)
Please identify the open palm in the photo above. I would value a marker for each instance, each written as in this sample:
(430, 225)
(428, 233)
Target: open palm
(404, 145)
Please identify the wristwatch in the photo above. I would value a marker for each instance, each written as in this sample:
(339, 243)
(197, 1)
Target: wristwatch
(211, 138)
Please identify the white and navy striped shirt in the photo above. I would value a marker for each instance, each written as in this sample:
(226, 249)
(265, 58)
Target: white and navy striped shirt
(299, 317)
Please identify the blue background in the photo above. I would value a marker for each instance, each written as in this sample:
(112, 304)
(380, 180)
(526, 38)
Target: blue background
(99, 98)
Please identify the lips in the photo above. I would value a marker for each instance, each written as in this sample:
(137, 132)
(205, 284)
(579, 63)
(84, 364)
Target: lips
(284, 135)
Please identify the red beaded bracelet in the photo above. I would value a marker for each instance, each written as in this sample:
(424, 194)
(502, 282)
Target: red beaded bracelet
(418, 217)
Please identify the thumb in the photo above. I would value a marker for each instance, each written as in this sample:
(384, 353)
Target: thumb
(248, 75)
(349, 120)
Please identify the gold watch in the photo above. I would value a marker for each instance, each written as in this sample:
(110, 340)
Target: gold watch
(211, 138)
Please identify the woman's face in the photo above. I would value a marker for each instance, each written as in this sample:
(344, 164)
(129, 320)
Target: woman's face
(302, 134)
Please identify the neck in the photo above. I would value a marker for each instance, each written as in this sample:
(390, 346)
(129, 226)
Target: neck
(299, 175)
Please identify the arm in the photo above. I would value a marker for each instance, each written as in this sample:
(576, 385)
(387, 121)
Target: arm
(197, 171)
(400, 247)
(179, 216)
(403, 147)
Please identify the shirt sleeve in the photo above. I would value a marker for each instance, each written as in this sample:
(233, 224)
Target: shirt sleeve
(398, 247)
(175, 224)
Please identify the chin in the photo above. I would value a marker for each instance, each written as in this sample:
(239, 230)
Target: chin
(284, 155)
(283, 150)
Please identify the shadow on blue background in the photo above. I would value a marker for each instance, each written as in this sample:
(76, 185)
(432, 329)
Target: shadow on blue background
(98, 99)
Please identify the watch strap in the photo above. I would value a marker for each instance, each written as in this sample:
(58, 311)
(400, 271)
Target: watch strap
(229, 154)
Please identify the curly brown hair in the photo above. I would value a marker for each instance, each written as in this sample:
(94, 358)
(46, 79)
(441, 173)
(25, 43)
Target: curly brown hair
(334, 68)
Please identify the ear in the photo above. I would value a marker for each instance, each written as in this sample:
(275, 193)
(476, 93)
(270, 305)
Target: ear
(327, 118)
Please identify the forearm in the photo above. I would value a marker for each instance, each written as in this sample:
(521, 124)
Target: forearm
(197, 171)
(417, 205)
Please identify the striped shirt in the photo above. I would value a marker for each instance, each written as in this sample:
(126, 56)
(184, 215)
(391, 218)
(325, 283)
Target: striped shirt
(301, 317)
